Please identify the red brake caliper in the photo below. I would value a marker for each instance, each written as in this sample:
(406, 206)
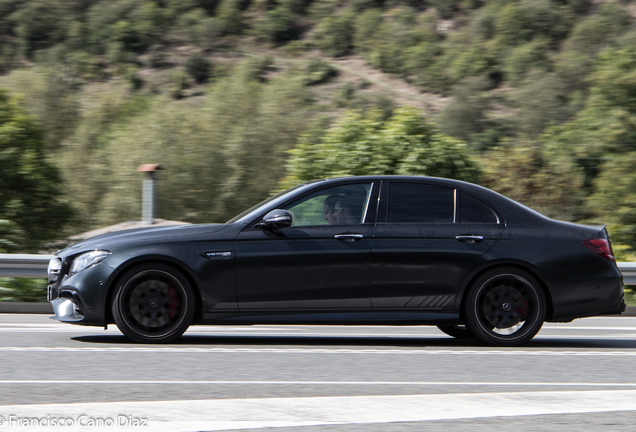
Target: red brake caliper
(523, 309)
(172, 307)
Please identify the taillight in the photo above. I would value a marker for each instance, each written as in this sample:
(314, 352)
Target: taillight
(600, 246)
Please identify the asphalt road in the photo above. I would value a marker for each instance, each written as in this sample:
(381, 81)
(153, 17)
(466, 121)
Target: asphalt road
(54, 376)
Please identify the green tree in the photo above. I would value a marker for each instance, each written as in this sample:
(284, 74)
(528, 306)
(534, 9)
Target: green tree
(541, 99)
(276, 26)
(334, 35)
(606, 126)
(49, 95)
(613, 201)
(222, 153)
(29, 185)
(545, 178)
(465, 115)
(230, 16)
(360, 144)
(198, 67)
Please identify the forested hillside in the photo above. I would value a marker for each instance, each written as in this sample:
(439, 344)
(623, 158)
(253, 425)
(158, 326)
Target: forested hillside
(237, 99)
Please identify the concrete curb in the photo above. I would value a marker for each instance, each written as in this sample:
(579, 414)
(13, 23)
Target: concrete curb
(46, 308)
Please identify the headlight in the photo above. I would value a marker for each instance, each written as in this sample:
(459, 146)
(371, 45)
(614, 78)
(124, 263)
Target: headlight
(86, 260)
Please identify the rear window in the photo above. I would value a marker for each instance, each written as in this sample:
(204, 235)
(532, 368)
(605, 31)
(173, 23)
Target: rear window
(417, 202)
(471, 210)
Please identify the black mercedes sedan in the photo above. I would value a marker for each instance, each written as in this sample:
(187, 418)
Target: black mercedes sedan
(383, 250)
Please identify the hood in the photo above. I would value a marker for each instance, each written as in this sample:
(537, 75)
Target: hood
(139, 235)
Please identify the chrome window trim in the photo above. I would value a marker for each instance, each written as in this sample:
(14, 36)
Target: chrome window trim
(454, 205)
(366, 209)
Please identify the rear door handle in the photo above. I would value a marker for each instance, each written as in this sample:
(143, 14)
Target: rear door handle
(349, 237)
(469, 238)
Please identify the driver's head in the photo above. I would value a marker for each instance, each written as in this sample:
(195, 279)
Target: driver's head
(328, 207)
(348, 209)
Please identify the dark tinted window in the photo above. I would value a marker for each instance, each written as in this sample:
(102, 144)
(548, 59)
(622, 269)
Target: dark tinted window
(474, 211)
(415, 202)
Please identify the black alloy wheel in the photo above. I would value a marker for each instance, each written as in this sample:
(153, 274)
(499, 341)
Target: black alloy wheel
(505, 307)
(458, 331)
(154, 303)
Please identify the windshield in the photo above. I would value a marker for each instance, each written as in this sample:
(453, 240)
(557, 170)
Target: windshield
(262, 203)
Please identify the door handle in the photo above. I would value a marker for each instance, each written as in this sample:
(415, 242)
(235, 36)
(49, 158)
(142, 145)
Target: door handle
(469, 238)
(349, 237)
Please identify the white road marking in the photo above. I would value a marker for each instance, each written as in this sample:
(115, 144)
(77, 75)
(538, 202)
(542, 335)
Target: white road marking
(228, 414)
(281, 332)
(321, 383)
(415, 351)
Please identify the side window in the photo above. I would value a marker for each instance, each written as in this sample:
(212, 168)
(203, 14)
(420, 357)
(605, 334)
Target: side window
(417, 202)
(471, 210)
(338, 205)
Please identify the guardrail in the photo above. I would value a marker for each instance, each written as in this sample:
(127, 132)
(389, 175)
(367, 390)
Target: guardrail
(26, 265)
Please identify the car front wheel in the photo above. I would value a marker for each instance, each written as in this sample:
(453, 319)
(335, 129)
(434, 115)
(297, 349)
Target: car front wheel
(505, 307)
(154, 303)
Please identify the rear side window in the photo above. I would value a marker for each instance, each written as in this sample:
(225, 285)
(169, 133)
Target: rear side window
(471, 210)
(417, 202)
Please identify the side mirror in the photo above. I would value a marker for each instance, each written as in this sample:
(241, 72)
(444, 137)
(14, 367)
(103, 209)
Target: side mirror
(276, 219)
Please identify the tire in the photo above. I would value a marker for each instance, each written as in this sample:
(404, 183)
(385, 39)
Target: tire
(154, 303)
(505, 307)
(457, 331)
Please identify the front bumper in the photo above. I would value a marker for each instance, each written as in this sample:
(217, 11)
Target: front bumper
(66, 310)
(82, 298)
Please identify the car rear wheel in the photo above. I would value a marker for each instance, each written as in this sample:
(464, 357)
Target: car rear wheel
(505, 307)
(154, 303)
(458, 331)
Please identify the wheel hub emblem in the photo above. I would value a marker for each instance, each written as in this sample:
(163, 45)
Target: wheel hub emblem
(153, 303)
(506, 307)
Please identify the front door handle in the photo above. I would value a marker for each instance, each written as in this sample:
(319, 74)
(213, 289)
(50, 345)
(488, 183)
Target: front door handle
(349, 237)
(469, 238)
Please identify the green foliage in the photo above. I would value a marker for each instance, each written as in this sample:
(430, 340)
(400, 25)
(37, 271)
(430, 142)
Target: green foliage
(41, 23)
(606, 126)
(613, 201)
(344, 95)
(540, 100)
(276, 26)
(519, 22)
(198, 67)
(366, 27)
(23, 290)
(230, 17)
(6, 230)
(50, 96)
(597, 31)
(136, 81)
(545, 178)
(526, 80)
(358, 144)
(522, 58)
(29, 194)
(200, 28)
(334, 35)
(445, 8)
(221, 153)
(125, 25)
(465, 115)
(318, 72)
